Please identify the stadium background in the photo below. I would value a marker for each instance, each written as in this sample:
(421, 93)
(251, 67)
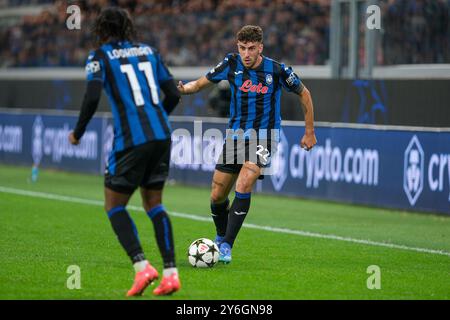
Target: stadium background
(381, 99)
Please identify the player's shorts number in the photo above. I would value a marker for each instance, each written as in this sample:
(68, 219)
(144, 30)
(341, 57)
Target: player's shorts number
(263, 153)
(146, 67)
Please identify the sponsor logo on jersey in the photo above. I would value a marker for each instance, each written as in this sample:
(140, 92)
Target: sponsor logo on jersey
(248, 86)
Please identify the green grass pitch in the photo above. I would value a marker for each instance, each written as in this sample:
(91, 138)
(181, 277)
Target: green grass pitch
(41, 236)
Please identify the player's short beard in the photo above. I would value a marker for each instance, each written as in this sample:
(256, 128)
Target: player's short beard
(253, 62)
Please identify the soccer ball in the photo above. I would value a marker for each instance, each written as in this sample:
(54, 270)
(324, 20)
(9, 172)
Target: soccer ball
(203, 253)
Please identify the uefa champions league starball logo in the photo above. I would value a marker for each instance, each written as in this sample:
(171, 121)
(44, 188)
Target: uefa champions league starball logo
(279, 164)
(413, 170)
(36, 140)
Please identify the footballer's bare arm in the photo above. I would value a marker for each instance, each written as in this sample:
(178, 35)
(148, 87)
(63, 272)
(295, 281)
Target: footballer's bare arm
(309, 139)
(194, 86)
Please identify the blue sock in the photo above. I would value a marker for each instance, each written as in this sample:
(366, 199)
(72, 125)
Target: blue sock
(126, 233)
(164, 235)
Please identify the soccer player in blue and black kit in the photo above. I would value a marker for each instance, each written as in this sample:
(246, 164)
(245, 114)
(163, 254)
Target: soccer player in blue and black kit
(132, 75)
(255, 83)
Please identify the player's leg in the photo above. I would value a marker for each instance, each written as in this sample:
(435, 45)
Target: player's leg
(152, 202)
(248, 175)
(222, 183)
(122, 224)
(126, 232)
(121, 180)
(151, 192)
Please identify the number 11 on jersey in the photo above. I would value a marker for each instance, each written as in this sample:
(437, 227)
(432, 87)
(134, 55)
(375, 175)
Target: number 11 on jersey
(146, 67)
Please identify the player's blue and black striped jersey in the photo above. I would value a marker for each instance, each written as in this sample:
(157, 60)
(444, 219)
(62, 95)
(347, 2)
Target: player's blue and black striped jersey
(132, 75)
(255, 93)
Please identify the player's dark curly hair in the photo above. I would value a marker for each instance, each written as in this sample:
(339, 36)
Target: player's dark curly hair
(250, 33)
(113, 23)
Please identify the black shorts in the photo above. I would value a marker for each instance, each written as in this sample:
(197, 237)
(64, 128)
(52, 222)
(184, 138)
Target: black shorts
(145, 166)
(236, 153)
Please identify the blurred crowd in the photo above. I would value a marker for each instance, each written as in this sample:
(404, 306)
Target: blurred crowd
(416, 31)
(196, 32)
(201, 32)
(16, 3)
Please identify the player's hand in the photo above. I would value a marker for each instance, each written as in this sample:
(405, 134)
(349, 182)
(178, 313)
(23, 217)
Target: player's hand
(73, 140)
(181, 87)
(308, 141)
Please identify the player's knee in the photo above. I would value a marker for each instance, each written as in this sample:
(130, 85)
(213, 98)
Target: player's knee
(243, 186)
(151, 200)
(151, 203)
(218, 196)
(108, 206)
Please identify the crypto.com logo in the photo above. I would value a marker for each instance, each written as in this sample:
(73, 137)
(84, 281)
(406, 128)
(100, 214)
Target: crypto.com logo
(52, 142)
(413, 170)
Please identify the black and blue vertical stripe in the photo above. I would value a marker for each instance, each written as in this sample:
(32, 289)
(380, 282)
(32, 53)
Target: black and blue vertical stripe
(134, 125)
(153, 214)
(250, 109)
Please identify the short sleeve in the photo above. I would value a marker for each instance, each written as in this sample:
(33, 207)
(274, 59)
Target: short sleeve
(290, 80)
(219, 72)
(163, 72)
(95, 67)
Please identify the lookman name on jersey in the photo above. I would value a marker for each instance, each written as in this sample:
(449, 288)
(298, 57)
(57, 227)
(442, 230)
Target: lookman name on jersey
(129, 52)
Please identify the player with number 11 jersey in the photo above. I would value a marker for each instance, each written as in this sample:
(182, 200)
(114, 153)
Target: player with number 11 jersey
(133, 74)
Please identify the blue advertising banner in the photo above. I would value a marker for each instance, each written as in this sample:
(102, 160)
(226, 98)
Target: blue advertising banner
(401, 169)
(389, 168)
(28, 139)
(377, 166)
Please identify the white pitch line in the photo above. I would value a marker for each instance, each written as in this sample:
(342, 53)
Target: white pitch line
(247, 225)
